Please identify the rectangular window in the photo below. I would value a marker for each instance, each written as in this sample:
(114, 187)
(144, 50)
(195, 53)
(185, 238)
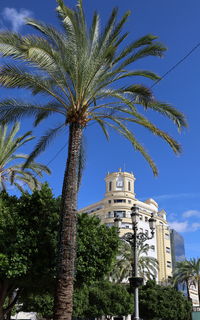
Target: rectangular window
(120, 214)
(169, 264)
(109, 201)
(109, 214)
(168, 250)
(167, 236)
(146, 219)
(110, 185)
(119, 200)
(129, 201)
(129, 186)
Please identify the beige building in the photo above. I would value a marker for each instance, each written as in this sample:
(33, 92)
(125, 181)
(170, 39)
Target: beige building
(118, 200)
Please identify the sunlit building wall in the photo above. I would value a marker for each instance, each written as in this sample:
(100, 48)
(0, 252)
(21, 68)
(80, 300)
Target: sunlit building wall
(117, 202)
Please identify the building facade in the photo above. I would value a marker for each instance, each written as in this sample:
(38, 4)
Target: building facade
(119, 198)
(177, 247)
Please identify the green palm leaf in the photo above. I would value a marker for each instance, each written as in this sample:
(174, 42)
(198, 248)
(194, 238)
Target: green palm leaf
(147, 265)
(11, 171)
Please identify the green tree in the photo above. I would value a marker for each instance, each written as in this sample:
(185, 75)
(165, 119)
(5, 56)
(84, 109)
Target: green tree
(158, 302)
(103, 298)
(94, 260)
(41, 303)
(28, 242)
(28, 230)
(12, 172)
(182, 275)
(188, 271)
(147, 265)
(77, 68)
(94, 256)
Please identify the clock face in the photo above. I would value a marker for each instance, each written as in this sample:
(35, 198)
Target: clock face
(119, 182)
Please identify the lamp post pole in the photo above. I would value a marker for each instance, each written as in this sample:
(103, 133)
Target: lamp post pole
(136, 239)
(135, 272)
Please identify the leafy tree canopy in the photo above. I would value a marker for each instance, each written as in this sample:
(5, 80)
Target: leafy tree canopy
(28, 242)
(28, 231)
(101, 298)
(97, 246)
(158, 302)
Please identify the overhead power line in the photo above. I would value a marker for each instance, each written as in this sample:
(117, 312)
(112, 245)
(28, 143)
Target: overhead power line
(50, 161)
(176, 65)
(57, 153)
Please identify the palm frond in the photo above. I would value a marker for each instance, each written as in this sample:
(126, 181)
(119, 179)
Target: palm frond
(167, 110)
(12, 110)
(143, 41)
(42, 144)
(141, 120)
(49, 32)
(13, 173)
(103, 127)
(122, 129)
(155, 49)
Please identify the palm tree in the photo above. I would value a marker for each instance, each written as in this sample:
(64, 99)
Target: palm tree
(12, 172)
(195, 267)
(147, 266)
(188, 272)
(122, 269)
(77, 68)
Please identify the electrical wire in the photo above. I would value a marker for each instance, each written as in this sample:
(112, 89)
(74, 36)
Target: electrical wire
(176, 65)
(59, 151)
(50, 161)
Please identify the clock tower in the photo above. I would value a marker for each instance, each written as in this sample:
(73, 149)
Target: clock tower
(120, 183)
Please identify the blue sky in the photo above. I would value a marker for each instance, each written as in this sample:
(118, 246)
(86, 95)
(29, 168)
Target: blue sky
(176, 189)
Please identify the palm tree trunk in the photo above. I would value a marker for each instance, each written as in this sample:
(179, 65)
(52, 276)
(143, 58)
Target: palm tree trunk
(188, 289)
(63, 303)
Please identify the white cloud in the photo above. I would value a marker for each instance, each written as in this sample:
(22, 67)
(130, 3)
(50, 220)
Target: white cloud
(195, 226)
(184, 226)
(191, 213)
(16, 18)
(175, 196)
(180, 226)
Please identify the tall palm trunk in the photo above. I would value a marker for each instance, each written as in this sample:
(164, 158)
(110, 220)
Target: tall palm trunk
(188, 288)
(67, 245)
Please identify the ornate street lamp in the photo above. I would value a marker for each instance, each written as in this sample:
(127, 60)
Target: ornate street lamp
(136, 239)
